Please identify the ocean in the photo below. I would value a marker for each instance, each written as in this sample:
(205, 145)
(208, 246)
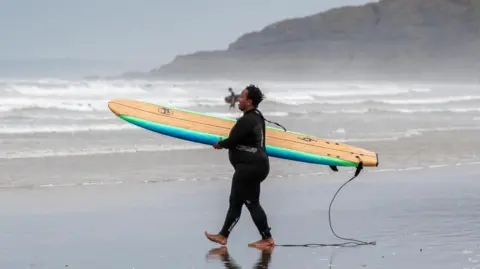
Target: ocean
(98, 192)
(58, 118)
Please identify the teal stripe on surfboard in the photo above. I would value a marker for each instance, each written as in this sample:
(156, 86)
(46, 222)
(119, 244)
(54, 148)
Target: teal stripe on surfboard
(210, 139)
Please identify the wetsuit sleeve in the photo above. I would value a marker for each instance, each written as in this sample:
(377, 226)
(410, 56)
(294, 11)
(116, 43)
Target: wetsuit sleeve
(239, 130)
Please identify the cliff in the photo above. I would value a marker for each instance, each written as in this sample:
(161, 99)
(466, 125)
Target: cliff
(391, 38)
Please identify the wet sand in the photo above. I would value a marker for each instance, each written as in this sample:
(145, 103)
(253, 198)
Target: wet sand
(424, 218)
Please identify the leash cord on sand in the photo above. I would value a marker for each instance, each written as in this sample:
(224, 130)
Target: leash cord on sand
(351, 242)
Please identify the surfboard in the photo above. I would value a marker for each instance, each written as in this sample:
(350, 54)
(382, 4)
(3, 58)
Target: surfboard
(206, 129)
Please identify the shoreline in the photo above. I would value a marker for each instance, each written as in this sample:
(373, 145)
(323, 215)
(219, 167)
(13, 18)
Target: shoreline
(144, 168)
(325, 178)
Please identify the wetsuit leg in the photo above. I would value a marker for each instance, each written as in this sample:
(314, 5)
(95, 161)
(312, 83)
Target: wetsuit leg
(257, 174)
(246, 190)
(235, 208)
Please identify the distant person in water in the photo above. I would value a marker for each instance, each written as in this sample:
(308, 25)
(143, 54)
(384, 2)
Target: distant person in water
(232, 98)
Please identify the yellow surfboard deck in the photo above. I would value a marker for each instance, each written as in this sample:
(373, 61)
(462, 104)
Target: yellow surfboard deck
(205, 129)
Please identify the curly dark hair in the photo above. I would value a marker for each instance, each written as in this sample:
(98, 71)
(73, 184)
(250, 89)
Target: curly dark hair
(255, 94)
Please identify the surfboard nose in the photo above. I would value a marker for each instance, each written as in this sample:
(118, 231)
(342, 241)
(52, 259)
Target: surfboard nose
(114, 106)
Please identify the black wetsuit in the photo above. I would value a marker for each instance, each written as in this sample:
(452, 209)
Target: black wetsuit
(232, 100)
(247, 154)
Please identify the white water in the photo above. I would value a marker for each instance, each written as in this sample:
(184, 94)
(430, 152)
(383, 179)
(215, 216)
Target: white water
(86, 96)
(362, 111)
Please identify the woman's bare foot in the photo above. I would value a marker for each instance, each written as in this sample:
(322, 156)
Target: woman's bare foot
(217, 238)
(262, 244)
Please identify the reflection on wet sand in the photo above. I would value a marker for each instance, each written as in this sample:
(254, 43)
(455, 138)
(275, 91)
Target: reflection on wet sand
(222, 254)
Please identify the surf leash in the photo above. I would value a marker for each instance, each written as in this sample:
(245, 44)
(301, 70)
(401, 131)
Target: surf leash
(272, 122)
(350, 242)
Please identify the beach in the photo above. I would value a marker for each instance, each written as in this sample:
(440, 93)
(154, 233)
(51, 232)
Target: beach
(424, 218)
(83, 189)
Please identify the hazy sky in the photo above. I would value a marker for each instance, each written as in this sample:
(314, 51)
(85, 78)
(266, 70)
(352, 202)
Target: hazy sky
(137, 31)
